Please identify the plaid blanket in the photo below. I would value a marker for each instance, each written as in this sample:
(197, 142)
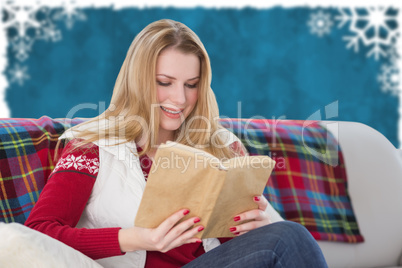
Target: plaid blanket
(308, 184)
(27, 148)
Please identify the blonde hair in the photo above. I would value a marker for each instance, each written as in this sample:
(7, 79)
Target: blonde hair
(135, 92)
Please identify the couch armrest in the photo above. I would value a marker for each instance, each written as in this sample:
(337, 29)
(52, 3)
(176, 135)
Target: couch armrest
(374, 170)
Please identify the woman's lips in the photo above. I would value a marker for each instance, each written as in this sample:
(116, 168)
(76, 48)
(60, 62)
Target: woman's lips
(172, 113)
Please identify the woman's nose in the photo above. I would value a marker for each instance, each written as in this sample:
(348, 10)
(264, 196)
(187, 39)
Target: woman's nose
(178, 95)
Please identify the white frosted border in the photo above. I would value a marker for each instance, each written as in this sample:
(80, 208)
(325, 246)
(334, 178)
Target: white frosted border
(4, 111)
(217, 3)
(117, 4)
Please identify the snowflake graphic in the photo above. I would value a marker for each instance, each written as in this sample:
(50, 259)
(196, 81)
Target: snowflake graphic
(50, 34)
(374, 27)
(389, 75)
(389, 79)
(19, 19)
(24, 24)
(21, 47)
(19, 74)
(69, 13)
(320, 23)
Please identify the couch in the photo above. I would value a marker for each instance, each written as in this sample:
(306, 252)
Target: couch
(371, 198)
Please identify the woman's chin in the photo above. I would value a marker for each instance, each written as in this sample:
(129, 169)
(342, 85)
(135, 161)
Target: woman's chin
(169, 126)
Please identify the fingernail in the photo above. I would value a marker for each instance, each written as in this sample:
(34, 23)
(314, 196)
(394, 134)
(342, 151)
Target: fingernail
(236, 233)
(237, 218)
(256, 198)
(199, 240)
(197, 220)
(186, 212)
(200, 228)
(232, 229)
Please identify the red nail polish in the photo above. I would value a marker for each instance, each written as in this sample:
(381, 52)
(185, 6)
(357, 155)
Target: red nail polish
(200, 228)
(236, 233)
(197, 220)
(256, 198)
(232, 229)
(237, 218)
(186, 212)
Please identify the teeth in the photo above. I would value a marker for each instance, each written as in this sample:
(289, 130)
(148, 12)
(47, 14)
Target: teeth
(170, 111)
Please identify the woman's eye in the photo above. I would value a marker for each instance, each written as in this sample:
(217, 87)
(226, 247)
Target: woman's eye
(163, 84)
(191, 86)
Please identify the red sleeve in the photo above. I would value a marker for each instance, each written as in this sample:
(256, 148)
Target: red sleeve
(238, 148)
(63, 200)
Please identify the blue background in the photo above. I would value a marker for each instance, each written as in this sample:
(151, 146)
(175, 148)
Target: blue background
(265, 58)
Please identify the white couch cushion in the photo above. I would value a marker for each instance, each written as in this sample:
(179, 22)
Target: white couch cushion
(21, 246)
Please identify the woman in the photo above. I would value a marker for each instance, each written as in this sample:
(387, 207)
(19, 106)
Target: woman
(90, 201)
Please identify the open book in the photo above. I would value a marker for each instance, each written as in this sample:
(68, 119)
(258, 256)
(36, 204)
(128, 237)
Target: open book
(214, 190)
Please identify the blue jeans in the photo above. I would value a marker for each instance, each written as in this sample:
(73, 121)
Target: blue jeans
(280, 244)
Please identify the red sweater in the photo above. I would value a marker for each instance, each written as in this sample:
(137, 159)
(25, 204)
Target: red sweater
(64, 198)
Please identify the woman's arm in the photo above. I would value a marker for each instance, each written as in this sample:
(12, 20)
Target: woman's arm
(65, 196)
(63, 200)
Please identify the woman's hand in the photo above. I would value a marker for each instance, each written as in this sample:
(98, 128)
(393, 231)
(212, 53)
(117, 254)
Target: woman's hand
(256, 217)
(163, 238)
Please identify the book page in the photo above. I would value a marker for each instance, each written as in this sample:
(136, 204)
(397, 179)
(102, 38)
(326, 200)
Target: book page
(246, 177)
(179, 179)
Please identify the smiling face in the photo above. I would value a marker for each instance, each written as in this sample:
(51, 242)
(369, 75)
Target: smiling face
(177, 77)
